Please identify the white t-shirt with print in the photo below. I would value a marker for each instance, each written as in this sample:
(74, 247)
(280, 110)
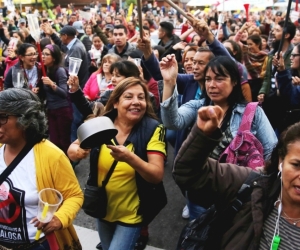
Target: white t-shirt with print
(18, 201)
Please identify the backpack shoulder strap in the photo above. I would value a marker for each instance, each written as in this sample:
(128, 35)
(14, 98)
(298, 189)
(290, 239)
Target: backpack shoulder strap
(244, 193)
(82, 37)
(248, 116)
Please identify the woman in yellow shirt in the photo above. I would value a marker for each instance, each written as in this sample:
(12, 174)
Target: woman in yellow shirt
(140, 163)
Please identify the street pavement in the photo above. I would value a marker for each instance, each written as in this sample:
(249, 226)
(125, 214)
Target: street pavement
(164, 230)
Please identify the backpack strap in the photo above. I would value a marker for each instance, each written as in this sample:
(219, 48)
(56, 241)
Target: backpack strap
(248, 116)
(224, 217)
(244, 194)
(82, 37)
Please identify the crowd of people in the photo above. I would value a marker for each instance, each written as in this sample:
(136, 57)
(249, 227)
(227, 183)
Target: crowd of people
(185, 83)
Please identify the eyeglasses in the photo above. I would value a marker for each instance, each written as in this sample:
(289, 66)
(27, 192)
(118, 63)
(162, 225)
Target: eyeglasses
(46, 54)
(32, 54)
(294, 55)
(4, 118)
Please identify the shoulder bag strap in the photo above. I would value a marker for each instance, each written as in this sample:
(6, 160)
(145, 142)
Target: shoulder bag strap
(94, 170)
(111, 170)
(248, 116)
(15, 162)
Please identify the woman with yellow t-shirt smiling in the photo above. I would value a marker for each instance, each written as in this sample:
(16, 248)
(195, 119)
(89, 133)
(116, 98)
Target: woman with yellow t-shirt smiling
(140, 163)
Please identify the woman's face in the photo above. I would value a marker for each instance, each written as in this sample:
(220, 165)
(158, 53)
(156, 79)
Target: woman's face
(229, 46)
(97, 42)
(254, 48)
(196, 39)
(188, 62)
(88, 30)
(106, 64)
(296, 38)
(15, 35)
(10, 132)
(221, 35)
(116, 77)
(132, 104)
(110, 38)
(291, 175)
(295, 59)
(47, 58)
(244, 35)
(264, 43)
(29, 58)
(218, 87)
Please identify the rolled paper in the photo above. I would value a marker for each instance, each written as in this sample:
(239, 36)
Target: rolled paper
(44, 214)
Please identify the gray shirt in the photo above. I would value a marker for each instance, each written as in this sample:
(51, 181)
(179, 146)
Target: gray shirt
(57, 98)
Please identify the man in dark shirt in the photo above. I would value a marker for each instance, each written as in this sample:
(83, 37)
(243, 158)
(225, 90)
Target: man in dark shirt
(121, 47)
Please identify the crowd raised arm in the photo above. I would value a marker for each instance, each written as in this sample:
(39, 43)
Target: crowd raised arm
(221, 95)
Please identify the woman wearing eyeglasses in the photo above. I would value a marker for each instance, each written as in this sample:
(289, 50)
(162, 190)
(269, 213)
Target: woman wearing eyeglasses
(31, 70)
(59, 111)
(288, 81)
(22, 122)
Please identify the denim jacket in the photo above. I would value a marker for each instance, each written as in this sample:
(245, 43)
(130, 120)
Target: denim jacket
(184, 117)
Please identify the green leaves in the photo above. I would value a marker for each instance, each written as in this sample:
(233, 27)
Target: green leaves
(128, 2)
(46, 4)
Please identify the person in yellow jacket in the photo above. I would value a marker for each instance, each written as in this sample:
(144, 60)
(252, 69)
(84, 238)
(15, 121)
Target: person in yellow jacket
(22, 121)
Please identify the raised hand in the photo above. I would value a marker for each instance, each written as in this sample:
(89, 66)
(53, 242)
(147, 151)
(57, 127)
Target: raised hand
(169, 68)
(144, 45)
(261, 98)
(180, 46)
(73, 83)
(209, 119)
(47, 28)
(245, 26)
(296, 80)
(200, 26)
(279, 63)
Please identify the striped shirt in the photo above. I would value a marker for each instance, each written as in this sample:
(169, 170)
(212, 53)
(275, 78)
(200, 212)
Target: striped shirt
(289, 234)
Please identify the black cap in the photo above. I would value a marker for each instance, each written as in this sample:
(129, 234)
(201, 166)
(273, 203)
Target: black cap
(68, 30)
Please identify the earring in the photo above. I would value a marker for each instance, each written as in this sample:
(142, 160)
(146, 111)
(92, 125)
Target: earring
(280, 167)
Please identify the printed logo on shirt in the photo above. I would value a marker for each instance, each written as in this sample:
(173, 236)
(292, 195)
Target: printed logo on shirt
(13, 227)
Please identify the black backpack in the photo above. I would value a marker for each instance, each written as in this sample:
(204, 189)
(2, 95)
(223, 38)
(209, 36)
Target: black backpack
(206, 231)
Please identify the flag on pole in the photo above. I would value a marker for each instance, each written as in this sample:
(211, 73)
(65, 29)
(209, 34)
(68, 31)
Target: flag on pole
(130, 9)
(108, 4)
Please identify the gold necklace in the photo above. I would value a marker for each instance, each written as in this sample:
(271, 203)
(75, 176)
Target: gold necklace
(295, 221)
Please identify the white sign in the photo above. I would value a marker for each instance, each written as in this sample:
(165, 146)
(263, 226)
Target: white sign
(294, 15)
